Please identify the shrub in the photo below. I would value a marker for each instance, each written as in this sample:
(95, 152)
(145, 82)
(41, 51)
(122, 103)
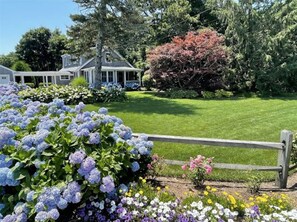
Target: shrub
(79, 81)
(147, 81)
(30, 84)
(73, 95)
(181, 94)
(199, 168)
(53, 157)
(70, 94)
(220, 93)
(208, 95)
(195, 61)
(21, 66)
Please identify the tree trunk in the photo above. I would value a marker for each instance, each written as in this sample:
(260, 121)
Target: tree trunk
(99, 44)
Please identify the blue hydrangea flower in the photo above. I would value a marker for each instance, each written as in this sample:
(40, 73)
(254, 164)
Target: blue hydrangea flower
(86, 166)
(135, 166)
(107, 184)
(103, 110)
(41, 216)
(77, 157)
(54, 214)
(94, 176)
(30, 196)
(94, 138)
(62, 204)
(4, 162)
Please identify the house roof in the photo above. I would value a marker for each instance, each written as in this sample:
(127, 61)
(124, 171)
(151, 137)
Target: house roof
(43, 73)
(109, 68)
(4, 67)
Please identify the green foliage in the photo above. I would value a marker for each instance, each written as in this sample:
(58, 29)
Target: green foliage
(221, 93)
(21, 66)
(79, 81)
(208, 94)
(42, 49)
(294, 150)
(30, 84)
(181, 94)
(8, 60)
(74, 95)
(156, 167)
(147, 81)
(254, 182)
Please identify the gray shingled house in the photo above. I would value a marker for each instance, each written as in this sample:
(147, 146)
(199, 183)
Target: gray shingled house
(115, 69)
(6, 75)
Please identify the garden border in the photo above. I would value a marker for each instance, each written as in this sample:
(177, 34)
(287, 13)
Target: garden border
(284, 148)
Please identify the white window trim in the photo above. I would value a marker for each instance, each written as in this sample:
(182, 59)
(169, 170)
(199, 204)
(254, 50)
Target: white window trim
(64, 79)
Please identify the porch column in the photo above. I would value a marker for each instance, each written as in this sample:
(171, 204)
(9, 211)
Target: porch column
(46, 81)
(124, 78)
(56, 80)
(13, 77)
(43, 80)
(115, 76)
(139, 75)
(23, 79)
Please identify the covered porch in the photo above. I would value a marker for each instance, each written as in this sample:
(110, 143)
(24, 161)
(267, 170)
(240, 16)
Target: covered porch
(53, 77)
(120, 75)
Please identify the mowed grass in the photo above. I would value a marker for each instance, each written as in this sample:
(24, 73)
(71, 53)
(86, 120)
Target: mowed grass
(238, 118)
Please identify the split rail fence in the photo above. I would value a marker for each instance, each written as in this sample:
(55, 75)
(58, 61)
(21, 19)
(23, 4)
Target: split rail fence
(283, 147)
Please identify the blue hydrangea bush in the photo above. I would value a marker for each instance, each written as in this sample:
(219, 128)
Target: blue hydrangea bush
(53, 158)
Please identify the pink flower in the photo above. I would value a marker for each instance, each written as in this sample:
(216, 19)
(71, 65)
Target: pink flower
(184, 167)
(208, 169)
(149, 166)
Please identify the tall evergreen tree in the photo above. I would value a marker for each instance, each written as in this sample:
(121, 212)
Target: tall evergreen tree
(104, 23)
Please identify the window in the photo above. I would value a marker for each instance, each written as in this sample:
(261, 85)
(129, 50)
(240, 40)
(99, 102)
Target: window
(131, 76)
(110, 76)
(104, 79)
(64, 77)
(108, 57)
(4, 77)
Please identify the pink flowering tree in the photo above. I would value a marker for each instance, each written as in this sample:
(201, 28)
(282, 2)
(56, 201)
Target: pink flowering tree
(199, 168)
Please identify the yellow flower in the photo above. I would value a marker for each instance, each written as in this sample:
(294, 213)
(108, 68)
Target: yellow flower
(208, 187)
(252, 203)
(280, 201)
(232, 199)
(251, 198)
(242, 205)
(167, 187)
(143, 180)
(209, 201)
(140, 192)
(213, 189)
(225, 193)
(185, 193)
(158, 188)
(205, 193)
(140, 178)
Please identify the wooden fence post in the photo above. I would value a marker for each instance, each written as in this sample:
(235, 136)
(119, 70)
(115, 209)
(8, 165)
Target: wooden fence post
(284, 158)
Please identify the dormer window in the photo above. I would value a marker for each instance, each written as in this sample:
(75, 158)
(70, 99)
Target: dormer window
(108, 57)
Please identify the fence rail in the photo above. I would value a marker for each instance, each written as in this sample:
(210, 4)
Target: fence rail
(284, 151)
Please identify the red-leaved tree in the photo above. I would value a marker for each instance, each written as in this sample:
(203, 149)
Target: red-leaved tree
(196, 61)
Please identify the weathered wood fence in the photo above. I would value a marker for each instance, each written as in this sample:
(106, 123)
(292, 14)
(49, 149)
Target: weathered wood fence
(283, 147)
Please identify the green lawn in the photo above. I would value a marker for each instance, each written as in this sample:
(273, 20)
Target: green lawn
(240, 118)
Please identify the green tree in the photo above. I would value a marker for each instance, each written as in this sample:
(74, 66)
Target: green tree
(21, 66)
(41, 48)
(262, 36)
(8, 60)
(104, 23)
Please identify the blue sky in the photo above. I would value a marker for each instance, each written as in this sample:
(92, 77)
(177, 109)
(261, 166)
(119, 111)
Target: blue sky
(19, 16)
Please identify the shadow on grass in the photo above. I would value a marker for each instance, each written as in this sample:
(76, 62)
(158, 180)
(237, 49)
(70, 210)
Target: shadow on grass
(151, 105)
(287, 96)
